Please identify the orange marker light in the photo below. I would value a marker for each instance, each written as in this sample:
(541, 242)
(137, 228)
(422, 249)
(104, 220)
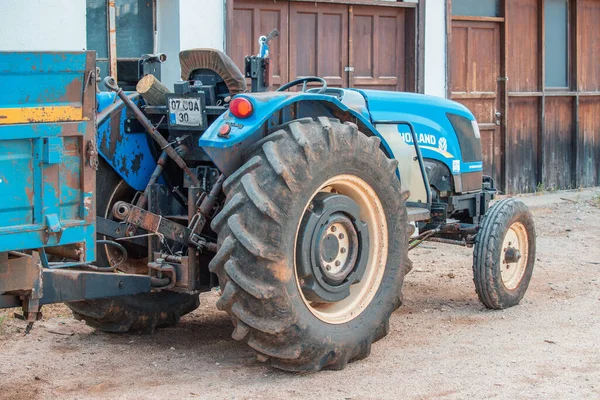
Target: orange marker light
(224, 130)
(241, 107)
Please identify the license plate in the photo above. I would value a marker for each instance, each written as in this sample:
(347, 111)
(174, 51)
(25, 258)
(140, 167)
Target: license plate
(185, 111)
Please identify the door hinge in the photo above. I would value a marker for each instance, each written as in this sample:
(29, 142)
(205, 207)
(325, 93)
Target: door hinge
(349, 69)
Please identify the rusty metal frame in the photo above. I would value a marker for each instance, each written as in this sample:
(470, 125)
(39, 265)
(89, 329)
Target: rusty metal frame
(112, 38)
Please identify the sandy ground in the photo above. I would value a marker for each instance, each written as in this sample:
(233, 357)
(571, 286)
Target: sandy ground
(443, 344)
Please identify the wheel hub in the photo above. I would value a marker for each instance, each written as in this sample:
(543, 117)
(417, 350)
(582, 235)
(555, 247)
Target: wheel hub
(514, 255)
(333, 248)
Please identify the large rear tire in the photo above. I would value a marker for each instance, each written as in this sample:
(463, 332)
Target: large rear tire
(301, 187)
(138, 313)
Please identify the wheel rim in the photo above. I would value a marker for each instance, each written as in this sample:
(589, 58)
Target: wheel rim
(372, 215)
(514, 254)
(113, 256)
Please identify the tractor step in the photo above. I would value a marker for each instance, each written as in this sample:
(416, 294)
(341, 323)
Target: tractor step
(417, 214)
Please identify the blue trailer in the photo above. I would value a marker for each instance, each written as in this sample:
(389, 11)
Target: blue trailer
(301, 206)
(48, 162)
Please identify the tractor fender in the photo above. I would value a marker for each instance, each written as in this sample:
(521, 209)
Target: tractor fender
(272, 109)
(128, 153)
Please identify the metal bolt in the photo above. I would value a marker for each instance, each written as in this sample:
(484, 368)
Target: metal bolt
(343, 250)
(328, 267)
(121, 285)
(333, 229)
(341, 235)
(337, 263)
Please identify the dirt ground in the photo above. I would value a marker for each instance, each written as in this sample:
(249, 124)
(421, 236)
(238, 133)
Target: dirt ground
(443, 343)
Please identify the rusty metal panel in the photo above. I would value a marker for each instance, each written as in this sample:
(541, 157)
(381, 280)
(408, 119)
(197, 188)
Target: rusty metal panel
(48, 152)
(18, 272)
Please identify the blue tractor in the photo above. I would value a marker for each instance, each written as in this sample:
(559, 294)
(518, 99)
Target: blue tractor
(300, 206)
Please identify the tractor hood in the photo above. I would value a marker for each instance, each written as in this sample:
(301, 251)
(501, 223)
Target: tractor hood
(398, 106)
(431, 118)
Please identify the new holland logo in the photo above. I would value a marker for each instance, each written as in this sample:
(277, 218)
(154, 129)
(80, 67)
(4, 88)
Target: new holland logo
(443, 144)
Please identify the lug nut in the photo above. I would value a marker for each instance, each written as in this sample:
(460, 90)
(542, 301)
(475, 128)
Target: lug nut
(333, 229)
(341, 235)
(343, 250)
(337, 263)
(328, 267)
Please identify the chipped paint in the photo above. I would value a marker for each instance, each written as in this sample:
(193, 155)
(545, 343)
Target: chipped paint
(22, 115)
(46, 117)
(128, 153)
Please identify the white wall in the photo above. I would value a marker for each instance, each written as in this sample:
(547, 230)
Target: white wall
(167, 23)
(435, 47)
(202, 25)
(183, 25)
(51, 25)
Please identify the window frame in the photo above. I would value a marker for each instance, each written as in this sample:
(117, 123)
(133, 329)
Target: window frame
(569, 42)
(111, 25)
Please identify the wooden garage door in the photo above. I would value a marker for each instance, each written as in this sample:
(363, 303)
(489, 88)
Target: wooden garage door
(252, 19)
(350, 46)
(475, 83)
(377, 36)
(319, 42)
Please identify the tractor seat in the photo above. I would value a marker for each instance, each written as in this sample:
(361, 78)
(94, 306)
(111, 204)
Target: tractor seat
(215, 60)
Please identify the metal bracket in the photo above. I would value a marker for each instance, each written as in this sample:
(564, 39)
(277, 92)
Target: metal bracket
(92, 154)
(163, 269)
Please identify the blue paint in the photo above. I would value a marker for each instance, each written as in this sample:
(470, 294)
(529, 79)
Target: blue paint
(41, 192)
(436, 136)
(128, 153)
(223, 151)
(104, 100)
(51, 72)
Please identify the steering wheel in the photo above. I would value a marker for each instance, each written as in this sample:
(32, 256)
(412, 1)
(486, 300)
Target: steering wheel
(304, 81)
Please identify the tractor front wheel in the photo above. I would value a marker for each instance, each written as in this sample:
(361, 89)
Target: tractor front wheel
(504, 254)
(312, 245)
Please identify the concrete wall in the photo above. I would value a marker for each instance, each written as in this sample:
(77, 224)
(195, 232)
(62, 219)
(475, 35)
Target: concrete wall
(167, 22)
(182, 25)
(202, 25)
(435, 47)
(30, 25)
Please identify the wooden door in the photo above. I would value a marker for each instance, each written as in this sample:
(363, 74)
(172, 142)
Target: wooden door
(377, 48)
(251, 20)
(476, 64)
(319, 42)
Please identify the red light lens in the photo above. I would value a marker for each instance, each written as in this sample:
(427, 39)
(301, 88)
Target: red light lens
(241, 107)
(224, 130)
